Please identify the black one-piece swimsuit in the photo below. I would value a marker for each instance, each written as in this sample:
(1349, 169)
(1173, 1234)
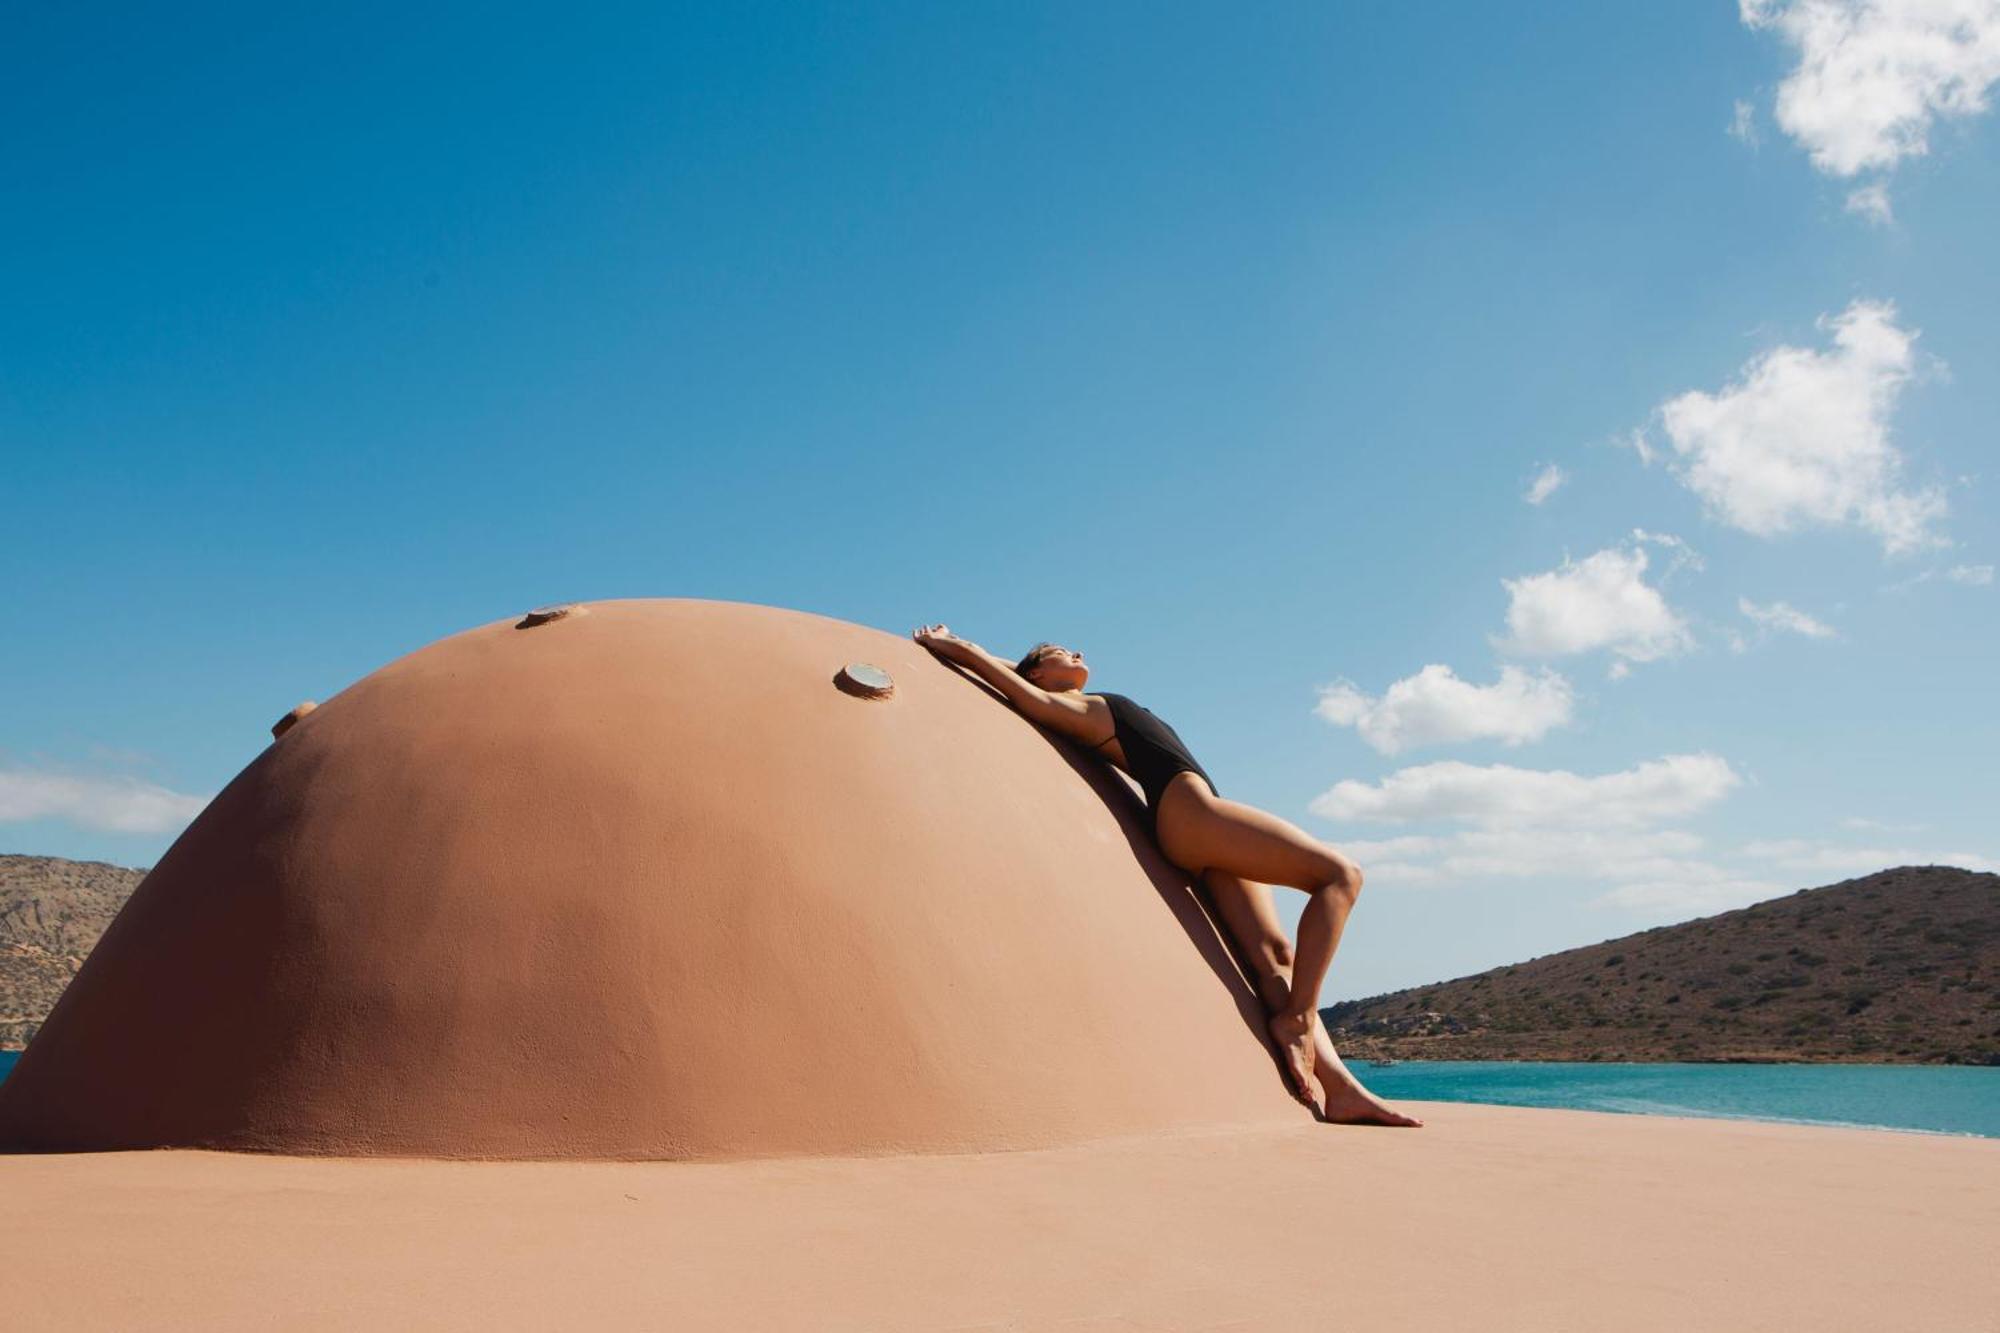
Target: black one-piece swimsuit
(1154, 753)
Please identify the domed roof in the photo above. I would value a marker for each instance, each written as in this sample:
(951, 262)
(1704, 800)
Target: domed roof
(654, 879)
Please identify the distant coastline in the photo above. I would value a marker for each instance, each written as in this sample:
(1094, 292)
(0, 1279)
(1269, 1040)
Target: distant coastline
(52, 912)
(1908, 1098)
(1894, 968)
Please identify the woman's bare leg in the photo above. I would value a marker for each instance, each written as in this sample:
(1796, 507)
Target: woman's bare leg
(1252, 921)
(1200, 831)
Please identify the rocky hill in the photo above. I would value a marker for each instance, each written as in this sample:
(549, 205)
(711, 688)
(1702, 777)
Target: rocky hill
(1896, 967)
(51, 913)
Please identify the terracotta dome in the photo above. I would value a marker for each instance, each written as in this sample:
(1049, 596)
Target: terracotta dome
(653, 880)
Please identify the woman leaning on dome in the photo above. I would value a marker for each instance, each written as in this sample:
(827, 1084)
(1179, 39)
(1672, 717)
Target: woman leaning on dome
(1234, 850)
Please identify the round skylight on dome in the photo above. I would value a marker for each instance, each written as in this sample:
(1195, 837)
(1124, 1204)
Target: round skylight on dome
(542, 615)
(289, 720)
(867, 680)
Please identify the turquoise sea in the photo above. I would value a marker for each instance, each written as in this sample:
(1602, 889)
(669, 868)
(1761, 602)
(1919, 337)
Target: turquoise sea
(1933, 1099)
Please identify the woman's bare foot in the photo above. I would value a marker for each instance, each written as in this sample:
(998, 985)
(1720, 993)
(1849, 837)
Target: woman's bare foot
(1348, 1103)
(1352, 1104)
(1294, 1035)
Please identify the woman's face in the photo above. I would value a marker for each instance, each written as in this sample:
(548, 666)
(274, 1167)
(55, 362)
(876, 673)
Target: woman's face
(1060, 669)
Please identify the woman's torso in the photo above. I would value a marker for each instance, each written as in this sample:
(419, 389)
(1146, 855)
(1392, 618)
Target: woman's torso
(1144, 745)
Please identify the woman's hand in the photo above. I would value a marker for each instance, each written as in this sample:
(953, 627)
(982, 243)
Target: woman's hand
(1025, 695)
(935, 637)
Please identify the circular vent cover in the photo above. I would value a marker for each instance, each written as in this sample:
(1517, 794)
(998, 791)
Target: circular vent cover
(867, 679)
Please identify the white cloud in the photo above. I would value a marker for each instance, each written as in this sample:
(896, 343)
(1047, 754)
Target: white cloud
(1871, 202)
(1694, 888)
(1704, 886)
(1435, 707)
(1520, 854)
(1499, 796)
(1800, 854)
(1523, 825)
(1785, 616)
(1545, 484)
(1636, 441)
(108, 805)
(1969, 576)
(1879, 825)
(1874, 75)
(1743, 125)
(1685, 556)
(1802, 439)
(1650, 870)
(1602, 601)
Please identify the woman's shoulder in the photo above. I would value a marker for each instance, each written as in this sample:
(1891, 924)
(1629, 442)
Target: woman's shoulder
(1123, 707)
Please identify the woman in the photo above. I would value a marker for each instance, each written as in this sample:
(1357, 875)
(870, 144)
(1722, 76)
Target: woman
(1232, 848)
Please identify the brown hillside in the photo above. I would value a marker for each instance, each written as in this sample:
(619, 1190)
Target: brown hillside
(51, 913)
(1896, 967)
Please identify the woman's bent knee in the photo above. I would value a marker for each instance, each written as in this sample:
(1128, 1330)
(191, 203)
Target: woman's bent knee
(1345, 879)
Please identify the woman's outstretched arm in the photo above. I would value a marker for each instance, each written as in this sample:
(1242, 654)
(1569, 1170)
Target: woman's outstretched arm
(1064, 714)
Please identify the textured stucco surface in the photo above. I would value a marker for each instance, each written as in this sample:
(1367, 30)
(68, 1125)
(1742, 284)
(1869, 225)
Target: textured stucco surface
(1488, 1218)
(644, 882)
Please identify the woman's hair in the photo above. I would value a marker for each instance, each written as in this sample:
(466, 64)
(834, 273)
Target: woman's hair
(1034, 655)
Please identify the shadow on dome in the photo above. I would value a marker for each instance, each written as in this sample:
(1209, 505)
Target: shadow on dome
(1179, 892)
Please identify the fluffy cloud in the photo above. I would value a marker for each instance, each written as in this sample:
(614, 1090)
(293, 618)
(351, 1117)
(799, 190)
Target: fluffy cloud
(1601, 601)
(1545, 484)
(1499, 796)
(1435, 707)
(1968, 576)
(1654, 871)
(1874, 75)
(1743, 125)
(1786, 617)
(1872, 202)
(1521, 854)
(1702, 886)
(1799, 854)
(1802, 439)
(108, 805)
(1693, 888)
(1650, 870)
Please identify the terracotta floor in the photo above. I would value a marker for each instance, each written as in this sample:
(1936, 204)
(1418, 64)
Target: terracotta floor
(1491, 1217)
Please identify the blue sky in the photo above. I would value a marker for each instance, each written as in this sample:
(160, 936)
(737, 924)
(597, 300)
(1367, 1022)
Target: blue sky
(1225, 346)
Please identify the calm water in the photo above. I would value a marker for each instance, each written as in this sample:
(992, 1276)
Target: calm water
(1940, 1099)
